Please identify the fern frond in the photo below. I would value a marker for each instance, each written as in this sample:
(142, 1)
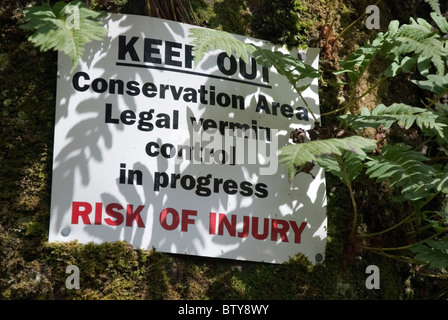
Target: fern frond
(206, 40)
(403, 168)
(435, 6)
(419, 38)
(352, 162)
(357, 62)
(297, 155)
(52, 31)
(285, 64)
(437, 84)
(401, 113)
(432, 252)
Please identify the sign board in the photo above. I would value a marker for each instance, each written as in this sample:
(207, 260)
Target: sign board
(162, 153)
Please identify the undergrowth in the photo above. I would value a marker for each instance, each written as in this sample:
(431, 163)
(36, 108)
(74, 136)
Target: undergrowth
(417, 175)
(390, 158)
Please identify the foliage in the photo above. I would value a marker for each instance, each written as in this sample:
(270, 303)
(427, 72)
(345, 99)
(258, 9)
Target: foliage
(56, 30)
(411, 48)
(296, 156)
(403, 115)
(30, 268)
(435, 253)
(293, 69)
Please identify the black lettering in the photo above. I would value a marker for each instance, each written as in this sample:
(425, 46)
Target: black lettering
(261, 189)
(149, 90)
(230, 187)
(124, 48)
(246, 189)
(149, 50)
(127, 117)
(253, 74)
(262, 104)
(75, 81)
(109, 114)
(149, 150)
(220, 62)
(189, 58)
(133, 88)
(170, 53)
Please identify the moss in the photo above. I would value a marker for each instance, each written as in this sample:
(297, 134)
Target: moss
(32, 268)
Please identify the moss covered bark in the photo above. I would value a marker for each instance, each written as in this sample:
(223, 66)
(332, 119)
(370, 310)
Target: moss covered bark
(32, 268)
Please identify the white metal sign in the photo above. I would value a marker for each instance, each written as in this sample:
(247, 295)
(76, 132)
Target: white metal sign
(157, 151)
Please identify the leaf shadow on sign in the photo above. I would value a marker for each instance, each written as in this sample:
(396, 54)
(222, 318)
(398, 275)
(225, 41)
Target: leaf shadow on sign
(91, 143)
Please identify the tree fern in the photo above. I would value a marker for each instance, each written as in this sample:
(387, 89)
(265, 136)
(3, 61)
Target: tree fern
(419, 38)
(352, 163)
(401, 113)
(206, 40)
(292, 68)
(403, 168)
(437, 84)
(435, 6)
(432, 252)
(296, 155)
(53, 31)
(357, 62)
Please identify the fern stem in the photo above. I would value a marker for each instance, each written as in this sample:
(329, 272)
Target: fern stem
(306, 103)
(436, 99)
(430, 198)
(353, 102)
(388, 229)
(403, 247)
(396, 257)
(352, 196)
(354, 22)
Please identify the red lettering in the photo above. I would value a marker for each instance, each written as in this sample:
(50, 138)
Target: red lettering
(134, 215)
(185, 220)
(277, 230)
(98, 212)
(297, 230)
(117, 215)
(77, 212)
(224, 222)
(163, 219)
(255, 233)
(212, 223)
(245, 232)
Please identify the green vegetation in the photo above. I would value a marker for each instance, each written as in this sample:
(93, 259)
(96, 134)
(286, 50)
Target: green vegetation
(417, 48)
(397, 227)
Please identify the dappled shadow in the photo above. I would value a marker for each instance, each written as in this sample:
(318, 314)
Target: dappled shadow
(97, 149)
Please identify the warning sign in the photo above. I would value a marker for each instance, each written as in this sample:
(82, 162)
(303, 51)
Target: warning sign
(162, 153)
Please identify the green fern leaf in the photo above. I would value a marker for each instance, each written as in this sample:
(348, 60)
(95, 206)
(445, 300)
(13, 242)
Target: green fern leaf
(419, 38)
(206, 40)
(435, 6)
(403, 168)
(56, 30)
(437, 84)
(433, 252)
(352, 162)
(440, 21)
(296, 155)
(401, 113)
(285, 64)
(357, 62)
